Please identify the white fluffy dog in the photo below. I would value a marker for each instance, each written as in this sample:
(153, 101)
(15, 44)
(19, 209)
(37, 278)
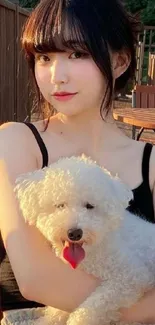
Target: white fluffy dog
(81, 210)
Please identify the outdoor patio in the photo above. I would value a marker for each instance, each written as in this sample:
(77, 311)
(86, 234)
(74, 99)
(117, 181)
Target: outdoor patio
(148, 135)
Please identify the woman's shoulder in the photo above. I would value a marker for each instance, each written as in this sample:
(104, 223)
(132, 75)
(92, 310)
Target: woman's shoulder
(17, 148)
(14, 135)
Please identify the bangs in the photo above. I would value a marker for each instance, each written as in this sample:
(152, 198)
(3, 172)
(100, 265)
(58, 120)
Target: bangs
(53, 28)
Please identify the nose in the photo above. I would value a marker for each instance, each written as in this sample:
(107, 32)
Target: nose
(75, 234)
(59, 73)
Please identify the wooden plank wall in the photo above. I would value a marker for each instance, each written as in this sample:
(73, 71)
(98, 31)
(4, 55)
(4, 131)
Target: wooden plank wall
(14, 78)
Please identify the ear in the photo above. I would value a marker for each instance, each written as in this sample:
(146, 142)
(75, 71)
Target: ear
(123, 193)
(120, 63)
(117, 197)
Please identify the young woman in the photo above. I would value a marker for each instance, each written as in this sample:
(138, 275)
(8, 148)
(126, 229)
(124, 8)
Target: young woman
(81, 53)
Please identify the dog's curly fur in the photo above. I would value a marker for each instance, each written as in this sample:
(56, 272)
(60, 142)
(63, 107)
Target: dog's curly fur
(119, 246)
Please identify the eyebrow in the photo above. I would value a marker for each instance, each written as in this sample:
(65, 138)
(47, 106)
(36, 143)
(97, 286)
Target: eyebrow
(62, 49)
(75, 44)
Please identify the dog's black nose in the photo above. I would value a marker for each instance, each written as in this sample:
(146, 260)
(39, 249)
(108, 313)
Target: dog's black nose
(75, 234)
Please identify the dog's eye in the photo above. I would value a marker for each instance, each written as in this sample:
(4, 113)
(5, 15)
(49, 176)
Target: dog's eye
(89, 206)
(61, 205)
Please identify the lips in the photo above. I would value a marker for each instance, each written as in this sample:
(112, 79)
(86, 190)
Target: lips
(63, 93)
(63, 96)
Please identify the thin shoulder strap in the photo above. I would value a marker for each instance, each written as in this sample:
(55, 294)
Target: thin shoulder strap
(40, 142)
(146, 161)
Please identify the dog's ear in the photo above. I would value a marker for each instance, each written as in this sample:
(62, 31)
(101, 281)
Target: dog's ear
(27, 193)
(117, 195)
(122, 191)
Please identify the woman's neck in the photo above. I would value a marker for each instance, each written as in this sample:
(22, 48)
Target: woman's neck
(93, 132)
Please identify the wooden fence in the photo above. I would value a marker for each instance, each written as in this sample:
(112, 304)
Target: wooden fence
(14, 78)
(145, 55)
(151, 69)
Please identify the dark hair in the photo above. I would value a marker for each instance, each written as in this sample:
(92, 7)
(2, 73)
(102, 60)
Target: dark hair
(95, 25)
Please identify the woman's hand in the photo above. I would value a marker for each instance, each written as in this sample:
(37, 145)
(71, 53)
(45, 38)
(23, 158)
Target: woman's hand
(143, 311)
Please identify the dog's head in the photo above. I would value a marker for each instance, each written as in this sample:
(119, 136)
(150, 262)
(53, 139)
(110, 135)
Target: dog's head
(74, 203)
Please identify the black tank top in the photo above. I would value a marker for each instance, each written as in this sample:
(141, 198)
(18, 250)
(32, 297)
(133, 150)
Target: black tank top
(142, 205)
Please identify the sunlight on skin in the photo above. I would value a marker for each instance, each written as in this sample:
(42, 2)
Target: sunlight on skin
(7, 199)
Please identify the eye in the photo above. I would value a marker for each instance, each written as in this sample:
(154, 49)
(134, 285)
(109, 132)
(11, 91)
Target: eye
(42, 58)
(61, 205)
(78, 55)
(89, 206)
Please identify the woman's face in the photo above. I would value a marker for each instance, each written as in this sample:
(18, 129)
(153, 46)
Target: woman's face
(70, 81)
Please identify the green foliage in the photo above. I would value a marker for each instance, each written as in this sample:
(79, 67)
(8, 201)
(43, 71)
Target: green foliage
(148, 14)
(145, 8)
(135, 6)
(28, 3)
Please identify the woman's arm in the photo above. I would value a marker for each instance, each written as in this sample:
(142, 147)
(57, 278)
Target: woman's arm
(142, 312)
(41, 276)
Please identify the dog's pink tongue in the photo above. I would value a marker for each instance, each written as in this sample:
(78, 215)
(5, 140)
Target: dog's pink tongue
(73, 253)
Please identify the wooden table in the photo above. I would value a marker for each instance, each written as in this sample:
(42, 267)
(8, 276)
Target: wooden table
(140, 117)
